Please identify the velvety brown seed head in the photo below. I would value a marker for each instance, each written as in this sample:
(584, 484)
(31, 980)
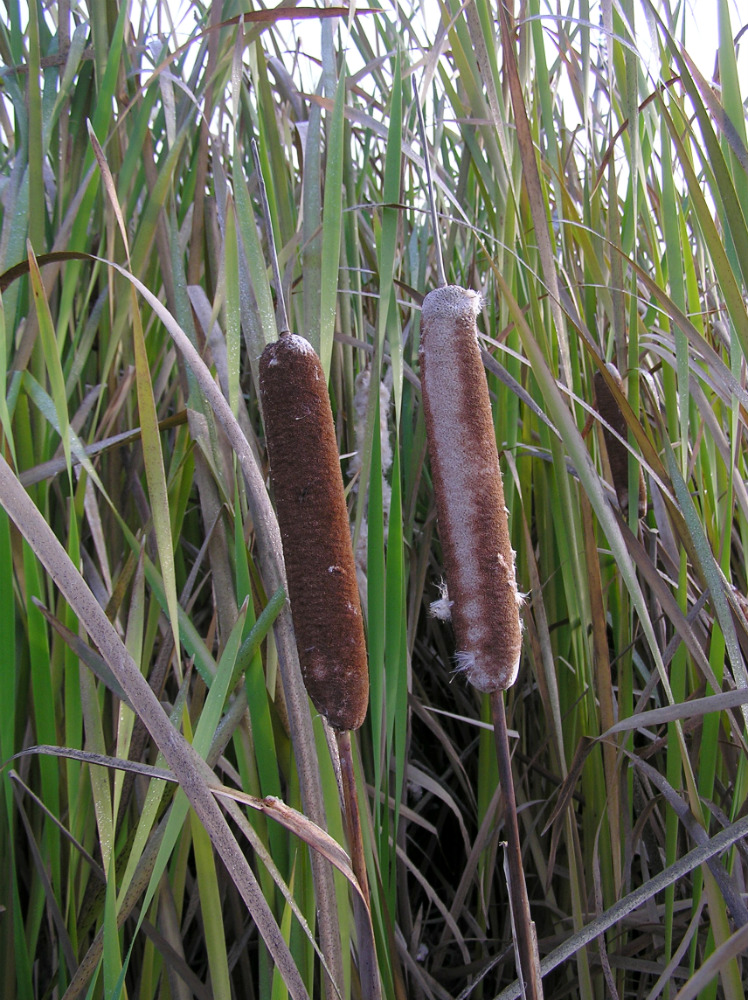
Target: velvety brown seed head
(618, 456)
(478, 558)
(309, 498)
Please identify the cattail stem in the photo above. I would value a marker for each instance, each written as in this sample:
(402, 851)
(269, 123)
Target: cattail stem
(528, 961)
(367, 955)
(352, 815)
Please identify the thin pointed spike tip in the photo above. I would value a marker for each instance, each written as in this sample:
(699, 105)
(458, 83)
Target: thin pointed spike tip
(469, 492)
(309, 498)
(440, 273)
(282, 315)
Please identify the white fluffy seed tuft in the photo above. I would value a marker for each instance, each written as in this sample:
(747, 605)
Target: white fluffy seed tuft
(442, 609)
(481, 678)
(298, 344)
(464, 662)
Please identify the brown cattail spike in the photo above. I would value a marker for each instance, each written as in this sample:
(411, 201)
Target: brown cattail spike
(308, 488)
(618, 455)
(478, 556)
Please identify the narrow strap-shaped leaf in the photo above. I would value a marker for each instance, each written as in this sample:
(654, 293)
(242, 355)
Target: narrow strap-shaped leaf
(657, 883)
(51, 353)
(534, 190)
(194, 776)
(332, 225)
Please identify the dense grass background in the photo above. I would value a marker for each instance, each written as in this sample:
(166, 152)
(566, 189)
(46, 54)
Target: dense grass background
(600, 202)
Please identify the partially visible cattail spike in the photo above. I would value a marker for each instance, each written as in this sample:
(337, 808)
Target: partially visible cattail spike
(472, 516)
(313, 519)
(618, 455)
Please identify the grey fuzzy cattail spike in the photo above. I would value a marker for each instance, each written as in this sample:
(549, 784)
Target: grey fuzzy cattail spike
(468, 487)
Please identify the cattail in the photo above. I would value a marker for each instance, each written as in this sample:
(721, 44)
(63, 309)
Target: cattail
(483, 599)
(313, 519)
(320, 569)
(470, 508)
(478, 557)
(618, 454)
